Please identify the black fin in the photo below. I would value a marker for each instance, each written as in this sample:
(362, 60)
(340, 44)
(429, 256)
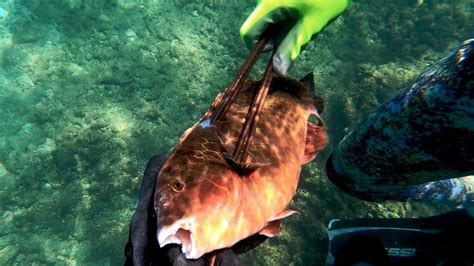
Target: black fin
(308, 81)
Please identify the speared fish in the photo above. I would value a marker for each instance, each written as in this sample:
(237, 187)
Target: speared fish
(233, 174)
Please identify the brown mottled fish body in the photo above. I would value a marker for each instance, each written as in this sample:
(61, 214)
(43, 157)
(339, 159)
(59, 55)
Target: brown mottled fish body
(204, 203)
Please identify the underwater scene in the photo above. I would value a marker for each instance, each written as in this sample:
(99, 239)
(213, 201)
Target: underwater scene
(91, 90)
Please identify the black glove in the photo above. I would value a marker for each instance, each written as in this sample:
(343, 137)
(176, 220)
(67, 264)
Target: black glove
(142, 247)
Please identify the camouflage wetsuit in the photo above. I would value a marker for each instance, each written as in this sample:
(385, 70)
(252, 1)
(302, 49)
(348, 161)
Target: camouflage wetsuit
(412, 143)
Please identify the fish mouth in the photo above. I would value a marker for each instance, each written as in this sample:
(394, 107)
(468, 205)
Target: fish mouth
(181, 233)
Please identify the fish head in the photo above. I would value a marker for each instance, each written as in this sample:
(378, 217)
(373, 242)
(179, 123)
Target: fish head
(194, 203)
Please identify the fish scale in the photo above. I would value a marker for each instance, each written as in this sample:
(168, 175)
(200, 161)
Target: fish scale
(219, 206)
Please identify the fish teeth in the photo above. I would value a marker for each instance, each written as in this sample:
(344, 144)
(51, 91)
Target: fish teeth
(191, 252)
(168, 235)
(172, 240)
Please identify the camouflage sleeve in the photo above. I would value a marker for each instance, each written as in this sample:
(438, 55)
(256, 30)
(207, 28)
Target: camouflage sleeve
(458, 191)
(424, 134)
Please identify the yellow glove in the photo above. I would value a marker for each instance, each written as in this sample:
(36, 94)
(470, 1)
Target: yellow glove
(311, 17)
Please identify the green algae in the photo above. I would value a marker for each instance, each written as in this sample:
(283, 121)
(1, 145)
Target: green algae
(90, 90)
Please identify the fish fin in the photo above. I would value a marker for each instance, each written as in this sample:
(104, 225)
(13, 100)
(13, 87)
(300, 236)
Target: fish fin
(316, 140)
(273, 226)
(283, 214)
(308, 82)
(271, 229)
(242, 169)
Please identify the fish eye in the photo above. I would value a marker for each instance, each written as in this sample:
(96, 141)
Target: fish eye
(314, 120)
(177, 185)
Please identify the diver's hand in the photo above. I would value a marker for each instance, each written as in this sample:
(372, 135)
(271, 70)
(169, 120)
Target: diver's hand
(310, 17)
(142, 246)
(225, 257)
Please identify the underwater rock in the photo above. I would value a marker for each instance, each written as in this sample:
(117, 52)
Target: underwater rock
(64, 159)
(8, 253)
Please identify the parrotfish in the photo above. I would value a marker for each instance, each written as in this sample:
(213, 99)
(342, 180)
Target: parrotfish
(205, 202)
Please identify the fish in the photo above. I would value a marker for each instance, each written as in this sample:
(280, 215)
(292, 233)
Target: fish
(204, 201)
